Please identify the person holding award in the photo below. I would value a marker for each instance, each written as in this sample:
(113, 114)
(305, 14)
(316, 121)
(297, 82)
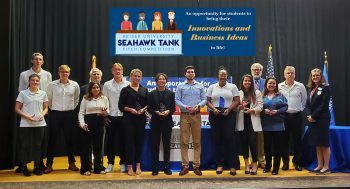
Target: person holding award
(161, 105)
(272, 120)
(223, 99)
(248, 122)
(133, 104)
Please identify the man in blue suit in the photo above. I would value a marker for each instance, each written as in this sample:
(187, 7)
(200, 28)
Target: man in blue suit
(259, 82)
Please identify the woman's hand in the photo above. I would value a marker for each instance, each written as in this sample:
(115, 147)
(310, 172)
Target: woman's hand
(85, 127)
(216, 111)
(310, 119)
(226, 112)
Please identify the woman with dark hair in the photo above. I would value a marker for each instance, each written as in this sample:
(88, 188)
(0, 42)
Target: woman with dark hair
(318, 116)
(248, 121)
(223, 99)
(93, 111)
(133, 104)
(32, 106)
(275, 105)
(161, 105)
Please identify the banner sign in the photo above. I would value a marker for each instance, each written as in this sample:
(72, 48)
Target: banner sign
(182, 31)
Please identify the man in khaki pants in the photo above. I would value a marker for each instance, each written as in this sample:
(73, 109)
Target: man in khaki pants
(257, 70)
(190, 96)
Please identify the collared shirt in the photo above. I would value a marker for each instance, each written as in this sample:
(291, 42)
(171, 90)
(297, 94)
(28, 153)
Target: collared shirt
(32, 105)
(222, 96)
(93, 106)
(190, 95)
(63, 97)
(45, 79)
(296, 96)
(112, 90)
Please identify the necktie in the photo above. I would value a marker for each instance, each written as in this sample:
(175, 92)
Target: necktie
(256, 84)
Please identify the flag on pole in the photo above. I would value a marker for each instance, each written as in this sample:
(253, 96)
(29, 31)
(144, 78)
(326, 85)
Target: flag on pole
(330, 106)
(270, 69)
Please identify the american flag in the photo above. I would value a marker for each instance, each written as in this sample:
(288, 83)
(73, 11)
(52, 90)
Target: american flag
(330, 106)
(270, 70)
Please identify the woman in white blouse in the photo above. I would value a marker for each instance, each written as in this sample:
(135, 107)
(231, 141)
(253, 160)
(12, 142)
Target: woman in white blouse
(248, 121)
(31, 105)
(93, 111)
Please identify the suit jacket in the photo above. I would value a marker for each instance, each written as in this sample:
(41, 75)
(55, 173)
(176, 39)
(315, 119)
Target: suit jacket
(261, 84)
(154, 99)
(171, 26)
(257, 106)
(318, 105)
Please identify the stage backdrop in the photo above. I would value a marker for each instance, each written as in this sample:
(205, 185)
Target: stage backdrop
(70, 32)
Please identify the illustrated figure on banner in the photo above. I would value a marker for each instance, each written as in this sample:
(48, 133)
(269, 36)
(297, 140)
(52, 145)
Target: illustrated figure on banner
(126, 24)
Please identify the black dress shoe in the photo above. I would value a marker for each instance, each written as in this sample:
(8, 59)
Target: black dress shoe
(233, 173)
(19, 169)
(266, 170)
(37, 171)
(247, 172)
(42, 166)
(155, 172)
(167, 171)
(254, 173)
(26, 172)
(274, 172)
(285, 167)
(298, 168)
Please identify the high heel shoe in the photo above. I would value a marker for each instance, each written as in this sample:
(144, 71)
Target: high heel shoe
(266, 170)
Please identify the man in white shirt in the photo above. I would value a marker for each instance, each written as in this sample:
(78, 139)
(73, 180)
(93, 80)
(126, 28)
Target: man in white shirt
(63, 95)
(114, 133)
(296, 95)
(45, 78)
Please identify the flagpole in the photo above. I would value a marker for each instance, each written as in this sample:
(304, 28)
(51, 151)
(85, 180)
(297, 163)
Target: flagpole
(325, 60)
(93, 62)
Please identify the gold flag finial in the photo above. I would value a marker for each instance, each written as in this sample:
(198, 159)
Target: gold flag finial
(270, 48)
(326, 60)
(93, 63)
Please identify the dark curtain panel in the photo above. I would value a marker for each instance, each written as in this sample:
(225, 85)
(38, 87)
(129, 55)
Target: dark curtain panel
(70, 32)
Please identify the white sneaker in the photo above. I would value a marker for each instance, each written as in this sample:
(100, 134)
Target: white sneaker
(122, 168)
(109, 168)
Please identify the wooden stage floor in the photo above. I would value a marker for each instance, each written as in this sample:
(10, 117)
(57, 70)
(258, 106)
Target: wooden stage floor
(61, 173)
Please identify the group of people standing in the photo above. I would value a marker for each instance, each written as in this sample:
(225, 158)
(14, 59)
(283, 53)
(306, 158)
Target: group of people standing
(261, 114)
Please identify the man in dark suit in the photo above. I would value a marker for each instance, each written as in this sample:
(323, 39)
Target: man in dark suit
(256, 70)
(171, 25)
(161, 106)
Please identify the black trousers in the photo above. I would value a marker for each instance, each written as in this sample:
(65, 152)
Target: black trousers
(94, 137)
(249, 139)
(30, 144)
(222, 129)
(115, 140)
(161, 130)
(295, 129)
(134, 128)
(273, 144)
(61, 120)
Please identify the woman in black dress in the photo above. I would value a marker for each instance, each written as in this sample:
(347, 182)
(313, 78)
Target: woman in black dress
(161, 104)
(133, 103)
(318, 116)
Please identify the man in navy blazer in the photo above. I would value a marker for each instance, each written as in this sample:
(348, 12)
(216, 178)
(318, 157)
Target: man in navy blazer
(256, 70)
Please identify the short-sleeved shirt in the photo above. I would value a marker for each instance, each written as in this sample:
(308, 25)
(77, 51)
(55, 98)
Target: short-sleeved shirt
(222, 96)
(32, 105)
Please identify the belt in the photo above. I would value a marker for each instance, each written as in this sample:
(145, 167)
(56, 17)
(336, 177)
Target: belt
(293, 114)
(188, 113)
